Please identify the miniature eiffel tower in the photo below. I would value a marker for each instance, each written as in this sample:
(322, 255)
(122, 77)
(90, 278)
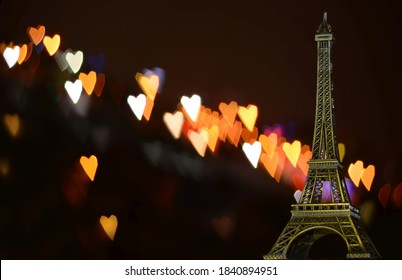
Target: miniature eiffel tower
(311, 218)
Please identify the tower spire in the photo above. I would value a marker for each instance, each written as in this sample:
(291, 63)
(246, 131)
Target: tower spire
(324, 28)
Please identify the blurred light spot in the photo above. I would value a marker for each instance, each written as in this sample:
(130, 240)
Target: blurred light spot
(269, 163)
(148, 84)
(384, 194)
(174, 123)
(253, 152)
(89, 165)
(52, 44)
(36, 34)
(234, 132)
(74, 90)
(248, 115)
(213, 136)
(292, 151)
(12, 122)
(149, 105)
(4, 167)
(158, 72)
(298, 181)
(367, 176)
(229, 112)
(397, 195)
(100, 83)
(192, 106)
(302, 163)
(23, 53)
(137, 104)
(355, 171)
(88, 81)
(268, 143)
(109, 225)
(61, 60)
(74, 60)
(342, 149)
(367, 212)
(249, 136)
(11, 55)
(277, 129)
(199, 141)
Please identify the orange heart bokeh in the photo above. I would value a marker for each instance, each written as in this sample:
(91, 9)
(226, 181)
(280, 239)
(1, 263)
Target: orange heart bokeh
(36, 34)
(355, 171)
(88, 81)
(23, 53)
(367, 176)
(248, 116)
(292, 151)
(89, 165)
(268, 143)
(234, 132)
(229, 111)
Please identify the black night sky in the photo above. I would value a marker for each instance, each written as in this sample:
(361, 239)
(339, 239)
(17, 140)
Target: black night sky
(170, 202)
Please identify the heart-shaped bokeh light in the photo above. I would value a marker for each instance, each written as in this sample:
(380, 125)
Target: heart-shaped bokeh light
(109, 225)
(90, 165)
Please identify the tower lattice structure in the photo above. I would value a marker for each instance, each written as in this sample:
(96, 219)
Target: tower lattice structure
(311, 217)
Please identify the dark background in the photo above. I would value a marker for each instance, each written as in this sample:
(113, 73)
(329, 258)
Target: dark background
(171, 203)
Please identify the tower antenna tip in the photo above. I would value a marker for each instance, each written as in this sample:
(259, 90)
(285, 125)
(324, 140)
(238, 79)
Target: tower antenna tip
(325, 16)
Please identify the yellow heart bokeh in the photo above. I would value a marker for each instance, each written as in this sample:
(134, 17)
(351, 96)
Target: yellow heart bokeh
(109, 225)
(248, 116)
(89, 165)
(88, 81)
(148, 85)
(52, 44)
(36, 34)
(292, 151)
(213, 136)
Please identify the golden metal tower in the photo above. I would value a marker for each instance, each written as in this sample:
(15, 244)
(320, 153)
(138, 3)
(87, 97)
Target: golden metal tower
(312, 218)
